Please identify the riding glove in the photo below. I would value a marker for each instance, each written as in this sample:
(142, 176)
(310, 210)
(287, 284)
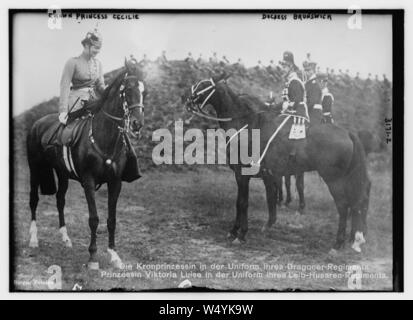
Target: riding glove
(63, 117)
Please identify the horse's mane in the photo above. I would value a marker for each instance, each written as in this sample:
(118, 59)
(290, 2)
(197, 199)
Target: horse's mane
(113, 87)
(246, 101)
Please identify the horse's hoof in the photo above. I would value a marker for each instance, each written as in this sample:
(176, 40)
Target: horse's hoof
(333, 252)
(297, 226)
(117, 264)
(356, 247)
(115, 260)
(302, 211)
(34, 244)
(238, 242)
(358, 241)
(68, 243)
(93, 265)
(231, 237)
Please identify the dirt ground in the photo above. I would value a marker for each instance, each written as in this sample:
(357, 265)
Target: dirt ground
(179, 220)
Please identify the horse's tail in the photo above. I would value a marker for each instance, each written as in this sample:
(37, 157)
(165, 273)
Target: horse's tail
(41, 173)
(357, 172)
(367, 140)
(358, 182)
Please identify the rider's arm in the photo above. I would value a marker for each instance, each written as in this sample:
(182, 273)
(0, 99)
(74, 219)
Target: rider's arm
(101, 80)
(65, 83)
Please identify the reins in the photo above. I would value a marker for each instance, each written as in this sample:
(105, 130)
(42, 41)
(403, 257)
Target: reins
(200, 113)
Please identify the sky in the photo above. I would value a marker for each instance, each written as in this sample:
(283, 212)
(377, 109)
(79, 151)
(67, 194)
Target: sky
(39, 53)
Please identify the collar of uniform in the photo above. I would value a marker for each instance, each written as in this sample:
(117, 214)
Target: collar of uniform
(312, 77)
(84, 56)
(292, 75)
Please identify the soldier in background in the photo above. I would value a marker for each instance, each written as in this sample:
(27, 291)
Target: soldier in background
(240, 63)
(238, 67)
(386, 82)
(162, 60)
(225, 60)
(271, 69)
(213, 60)
(313, 92)
(189, 58)
(145, 61)
(327, 101)
(200, 59)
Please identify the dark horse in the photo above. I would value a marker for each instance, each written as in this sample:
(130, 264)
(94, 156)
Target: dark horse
(335, 153)
(103, 154)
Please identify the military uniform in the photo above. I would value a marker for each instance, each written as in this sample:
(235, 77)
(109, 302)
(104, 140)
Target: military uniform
(82, 80)
(327, 104)
(293, 96)
(313, 93)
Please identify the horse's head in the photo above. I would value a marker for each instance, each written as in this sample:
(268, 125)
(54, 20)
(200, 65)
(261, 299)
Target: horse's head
(201, 93)
(132, 93)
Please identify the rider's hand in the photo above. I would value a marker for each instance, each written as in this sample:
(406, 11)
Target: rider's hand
(63, 117)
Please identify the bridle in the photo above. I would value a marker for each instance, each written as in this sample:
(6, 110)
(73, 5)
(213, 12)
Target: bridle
(127, 109)
(123, 129)
(195, 106)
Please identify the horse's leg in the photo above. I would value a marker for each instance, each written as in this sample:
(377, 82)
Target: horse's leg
(337, 190)
(359, 221)
(299, 182)
(34, 200)
(241, 220)
(114, 188)
(242, 205)
(89, 186)
(63, 184)
(287, 178)
(271, 191)
(279, 191)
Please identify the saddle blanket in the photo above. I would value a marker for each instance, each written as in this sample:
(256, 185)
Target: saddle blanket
(68, 135)
(297, 130)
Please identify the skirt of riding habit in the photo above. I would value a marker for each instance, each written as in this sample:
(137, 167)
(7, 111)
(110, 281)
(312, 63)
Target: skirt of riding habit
(79, 96)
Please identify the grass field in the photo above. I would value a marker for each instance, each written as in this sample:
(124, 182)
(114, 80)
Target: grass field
(183, 217)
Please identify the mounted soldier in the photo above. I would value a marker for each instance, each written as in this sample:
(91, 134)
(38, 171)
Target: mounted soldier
(313, 91)
(294, 91)
(82, 79)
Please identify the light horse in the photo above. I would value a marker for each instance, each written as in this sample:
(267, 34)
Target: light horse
(102, 154)
(336, 154)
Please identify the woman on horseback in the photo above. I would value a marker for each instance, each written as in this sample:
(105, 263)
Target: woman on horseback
(82, 79)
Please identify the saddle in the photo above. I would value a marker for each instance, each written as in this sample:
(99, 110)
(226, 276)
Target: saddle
(60, 135)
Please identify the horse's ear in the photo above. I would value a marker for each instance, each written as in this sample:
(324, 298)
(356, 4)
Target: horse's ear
(126, 63)
(222, 77)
